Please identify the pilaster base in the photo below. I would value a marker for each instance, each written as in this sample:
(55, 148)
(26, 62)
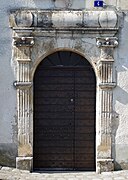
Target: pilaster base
(24, 163)
(105, 165)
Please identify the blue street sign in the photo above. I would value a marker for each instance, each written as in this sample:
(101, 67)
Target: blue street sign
(98, 3)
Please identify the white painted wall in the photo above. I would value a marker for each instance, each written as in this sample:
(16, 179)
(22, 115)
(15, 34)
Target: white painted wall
(121, 94)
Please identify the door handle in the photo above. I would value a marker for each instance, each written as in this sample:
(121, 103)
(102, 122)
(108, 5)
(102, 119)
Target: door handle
(72, 100)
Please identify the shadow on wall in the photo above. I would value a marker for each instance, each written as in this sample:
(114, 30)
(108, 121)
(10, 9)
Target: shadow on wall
(123, 67)
(115, 125)
(121, 96)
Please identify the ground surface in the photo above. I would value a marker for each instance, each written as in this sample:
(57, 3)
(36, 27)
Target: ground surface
(15, 174)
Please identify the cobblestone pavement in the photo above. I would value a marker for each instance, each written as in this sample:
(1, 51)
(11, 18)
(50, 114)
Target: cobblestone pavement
(15, 174)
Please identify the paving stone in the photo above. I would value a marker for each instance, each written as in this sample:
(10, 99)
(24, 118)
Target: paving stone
(6, 169)
(107, 173)
(119, 178)
(16, 171)
(79, 176)
(25, 171)
(119, 172)
(15, 174)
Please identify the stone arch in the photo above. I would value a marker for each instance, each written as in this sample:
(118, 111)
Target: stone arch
(47, 53)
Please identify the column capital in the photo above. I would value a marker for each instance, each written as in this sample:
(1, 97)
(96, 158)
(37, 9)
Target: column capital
(107, 42)
(107, 45)
(23, 41)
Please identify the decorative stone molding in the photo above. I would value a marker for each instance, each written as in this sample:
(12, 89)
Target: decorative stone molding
(108, 19)
(107, 85)
(22, 85)
(24, 18)
(108, 42)
(23, 41)
(63, 19)
(105, 63)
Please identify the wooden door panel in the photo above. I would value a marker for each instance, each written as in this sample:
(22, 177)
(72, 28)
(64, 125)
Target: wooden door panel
(84, 120)
(54, 119)
(64, 113)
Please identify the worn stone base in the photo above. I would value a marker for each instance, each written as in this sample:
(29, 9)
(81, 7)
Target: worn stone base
(24, 163)
(105, 165)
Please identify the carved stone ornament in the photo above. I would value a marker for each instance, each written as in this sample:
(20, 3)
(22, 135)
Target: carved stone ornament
(24, 18)
(44, 19)
(23, 41)
(109, 42)
(68, 3)
(108, 19)
(55, 18)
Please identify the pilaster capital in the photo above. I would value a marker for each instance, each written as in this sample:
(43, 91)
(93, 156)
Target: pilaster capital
(23, 41)
(107, 45)
(107, 42)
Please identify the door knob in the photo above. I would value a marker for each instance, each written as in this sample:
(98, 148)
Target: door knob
(72, 100)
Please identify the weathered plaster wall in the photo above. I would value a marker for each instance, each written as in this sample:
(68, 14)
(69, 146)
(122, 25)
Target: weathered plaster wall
(8, 128)
(7, 92)
(121, 97)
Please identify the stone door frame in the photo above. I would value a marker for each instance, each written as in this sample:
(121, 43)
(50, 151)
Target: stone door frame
(34, 39)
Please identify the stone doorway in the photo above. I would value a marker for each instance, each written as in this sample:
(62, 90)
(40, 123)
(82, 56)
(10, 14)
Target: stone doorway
(36, 38)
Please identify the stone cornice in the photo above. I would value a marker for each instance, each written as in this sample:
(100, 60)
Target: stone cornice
(71, 32)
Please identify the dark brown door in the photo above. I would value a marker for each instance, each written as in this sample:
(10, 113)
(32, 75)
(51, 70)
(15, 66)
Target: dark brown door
(64, 113)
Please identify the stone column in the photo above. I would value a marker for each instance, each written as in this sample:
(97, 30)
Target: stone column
(106, 85)
(23, 85)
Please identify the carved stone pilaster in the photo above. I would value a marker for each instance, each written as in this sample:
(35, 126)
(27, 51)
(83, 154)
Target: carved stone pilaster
(107, 83)
(23, 85)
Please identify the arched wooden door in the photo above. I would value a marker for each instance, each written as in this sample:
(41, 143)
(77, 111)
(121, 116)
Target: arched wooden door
(64, 113)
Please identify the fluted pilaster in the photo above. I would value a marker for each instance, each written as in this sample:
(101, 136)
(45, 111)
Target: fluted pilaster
(23, 85)
(106, 84)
